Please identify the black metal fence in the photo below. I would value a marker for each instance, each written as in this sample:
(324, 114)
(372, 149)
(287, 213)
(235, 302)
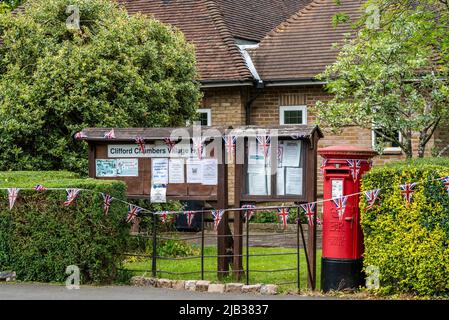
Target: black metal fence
(159, 232)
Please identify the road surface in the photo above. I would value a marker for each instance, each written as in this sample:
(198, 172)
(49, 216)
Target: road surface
(57, 292)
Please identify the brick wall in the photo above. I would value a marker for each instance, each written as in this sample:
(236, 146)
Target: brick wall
(228, 109)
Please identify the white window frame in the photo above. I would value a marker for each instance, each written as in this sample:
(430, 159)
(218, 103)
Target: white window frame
(388, 149)
(282, 109)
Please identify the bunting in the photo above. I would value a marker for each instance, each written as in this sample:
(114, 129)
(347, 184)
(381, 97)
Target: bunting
(355, 166)
(230, 144)
(371, 196)
(141, 142)
(309, 211)
(407, 191)
(198, 144)
(340, 205)
(218, 215)
(249, 211)
(13, 193)
(283, 215)
(133, 212)
(446, 184)
(110, 135)
(323, 165)
(80, 135)
(164, 216)
(264, 142)
(171, 145)
(39, 187)
(190, 215)
(72, 194)
(107, 199)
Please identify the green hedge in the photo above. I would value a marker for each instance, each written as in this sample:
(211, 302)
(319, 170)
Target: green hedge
(40, 237)
(409, 244)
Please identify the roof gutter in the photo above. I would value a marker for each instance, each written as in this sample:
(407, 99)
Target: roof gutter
(299, 82)
(224, 83)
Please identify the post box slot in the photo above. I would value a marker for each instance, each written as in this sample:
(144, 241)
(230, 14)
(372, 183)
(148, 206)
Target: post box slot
(337, 171)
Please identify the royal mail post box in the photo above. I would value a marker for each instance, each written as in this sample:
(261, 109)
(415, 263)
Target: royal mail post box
(342, 168)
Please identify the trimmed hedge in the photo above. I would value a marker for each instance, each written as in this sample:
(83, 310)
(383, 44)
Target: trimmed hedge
(40, 237)
(409, 244)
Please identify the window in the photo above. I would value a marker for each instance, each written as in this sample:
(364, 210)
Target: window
(388, 146)
(293, 115)
(205, 117)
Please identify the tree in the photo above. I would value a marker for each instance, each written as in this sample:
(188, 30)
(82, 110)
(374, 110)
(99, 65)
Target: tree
(390, 80)
(115, 71)
(8, 5)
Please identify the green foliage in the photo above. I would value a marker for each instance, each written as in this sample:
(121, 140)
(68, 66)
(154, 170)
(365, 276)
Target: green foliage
(409, 243)
(116, 71)
(40, 237)
(388, 79)
(272, 217)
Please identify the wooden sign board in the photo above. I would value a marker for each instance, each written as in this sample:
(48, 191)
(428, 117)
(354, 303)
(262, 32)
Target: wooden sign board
(176, 165)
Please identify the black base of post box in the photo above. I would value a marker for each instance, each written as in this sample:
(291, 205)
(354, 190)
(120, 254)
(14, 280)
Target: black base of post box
(340, 274)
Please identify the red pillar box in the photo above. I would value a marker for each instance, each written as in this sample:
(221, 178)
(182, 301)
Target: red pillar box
(341, 262)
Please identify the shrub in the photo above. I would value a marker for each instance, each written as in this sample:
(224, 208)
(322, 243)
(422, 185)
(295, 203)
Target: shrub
(408, 243)
(40, 237)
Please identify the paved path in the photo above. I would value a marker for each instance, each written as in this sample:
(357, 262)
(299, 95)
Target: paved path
(58, 292)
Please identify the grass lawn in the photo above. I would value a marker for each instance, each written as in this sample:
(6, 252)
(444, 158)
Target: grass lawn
(143, 267)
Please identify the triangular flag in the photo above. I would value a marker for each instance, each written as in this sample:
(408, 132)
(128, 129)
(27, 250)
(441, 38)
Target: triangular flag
(12, 196)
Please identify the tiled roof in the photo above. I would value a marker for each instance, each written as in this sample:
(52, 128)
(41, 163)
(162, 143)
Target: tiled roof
(301, 47)
(253, 19)
(218, 58)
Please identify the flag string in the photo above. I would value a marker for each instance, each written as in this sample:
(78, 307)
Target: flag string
(243, 208)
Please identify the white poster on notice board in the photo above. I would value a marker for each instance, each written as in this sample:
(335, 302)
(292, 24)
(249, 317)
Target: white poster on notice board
(194, 171)
(291, 154)
(176, 171)
(209, 172)
(159, 171)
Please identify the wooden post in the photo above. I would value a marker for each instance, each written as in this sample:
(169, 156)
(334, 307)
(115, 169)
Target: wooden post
(224, 244)
(238, 244)
(311, 231)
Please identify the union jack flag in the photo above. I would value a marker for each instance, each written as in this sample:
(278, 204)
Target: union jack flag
(264, 142)
(171, 145)
(230, 142)
(249, 211)
(190, 215)
(109, 134)
(218, 215)
(141, 142)
(355, 166)
(39, 187)
(12, 196)
(371, 196)
(133, 212)
(407, 191)
(72, 194)
(323, 165)
(198, 144)
(340, 204)
(309, 211)
(446, 184)
(107, 199)
(80, 135)
(163, 215)
(283, 214)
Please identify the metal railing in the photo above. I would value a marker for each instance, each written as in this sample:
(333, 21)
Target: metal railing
(247, 257)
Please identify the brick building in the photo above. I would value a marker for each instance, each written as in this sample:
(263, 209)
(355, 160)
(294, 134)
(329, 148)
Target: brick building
(258, 59)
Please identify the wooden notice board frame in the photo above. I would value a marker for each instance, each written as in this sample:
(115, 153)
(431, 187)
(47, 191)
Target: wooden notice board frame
(308, 137)
(140, 187)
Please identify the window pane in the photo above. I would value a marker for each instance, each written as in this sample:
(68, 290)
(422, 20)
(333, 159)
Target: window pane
(293, 117)
(388, 143)
(203, 119)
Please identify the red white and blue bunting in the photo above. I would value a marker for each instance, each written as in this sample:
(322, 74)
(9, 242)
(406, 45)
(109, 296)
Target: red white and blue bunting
(109, 135)
(264, 142)
(355, 166)
(141, 143)
(217, 215)
(171, 145)
(309, 209)
(340, 206)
